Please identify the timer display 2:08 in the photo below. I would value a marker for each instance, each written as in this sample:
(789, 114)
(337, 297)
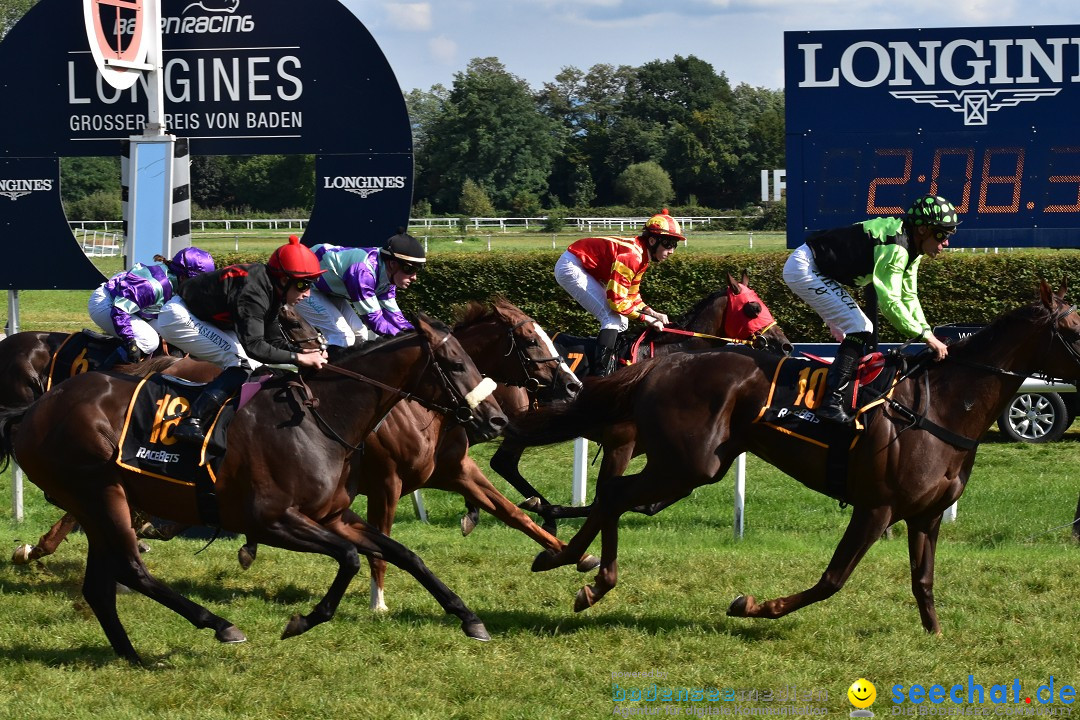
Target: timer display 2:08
(1022, 184)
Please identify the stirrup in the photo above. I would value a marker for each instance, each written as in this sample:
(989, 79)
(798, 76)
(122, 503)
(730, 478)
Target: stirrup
(189, 430)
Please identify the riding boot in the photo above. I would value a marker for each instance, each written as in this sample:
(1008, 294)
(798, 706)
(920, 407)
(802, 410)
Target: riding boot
(605, 352)
(192, 428)
(840, 384)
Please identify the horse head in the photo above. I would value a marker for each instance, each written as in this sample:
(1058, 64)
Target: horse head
(299, 331)
(454, 385)
(746, 317)
(1063, 360)
(541, 369)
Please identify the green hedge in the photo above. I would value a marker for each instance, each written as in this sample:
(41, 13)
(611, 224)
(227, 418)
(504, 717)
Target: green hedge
(954, 288)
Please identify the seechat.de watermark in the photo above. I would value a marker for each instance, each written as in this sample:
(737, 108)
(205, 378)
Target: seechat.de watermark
(973, 692)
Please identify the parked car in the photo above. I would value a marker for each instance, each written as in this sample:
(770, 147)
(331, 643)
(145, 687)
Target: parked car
(1040, 412)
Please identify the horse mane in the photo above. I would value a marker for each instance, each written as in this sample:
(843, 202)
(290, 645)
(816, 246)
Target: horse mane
(383, 342)
(699, 307)
(993, 336)
(476, 311)
(147, 367)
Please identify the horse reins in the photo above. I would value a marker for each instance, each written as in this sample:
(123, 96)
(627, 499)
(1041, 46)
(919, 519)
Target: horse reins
(531, 384)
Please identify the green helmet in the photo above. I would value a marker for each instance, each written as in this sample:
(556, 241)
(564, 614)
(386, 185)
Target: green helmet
(932, 210)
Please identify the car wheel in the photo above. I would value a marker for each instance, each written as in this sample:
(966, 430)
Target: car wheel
(1035, 418)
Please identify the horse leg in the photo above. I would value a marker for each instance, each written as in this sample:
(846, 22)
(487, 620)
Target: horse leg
(47, 544)
(506, 461)
(863, 530)
(99, 590)
(369, 541)
(381, 506)
(922, 542)
(478, 491)
(292, 530)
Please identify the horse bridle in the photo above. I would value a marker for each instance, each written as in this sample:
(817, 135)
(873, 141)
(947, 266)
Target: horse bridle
(531, 384)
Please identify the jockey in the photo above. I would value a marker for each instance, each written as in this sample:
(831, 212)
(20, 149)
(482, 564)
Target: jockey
(126, 306)
(604, 274)
(357, 295)
(230, 317)
(885, 252)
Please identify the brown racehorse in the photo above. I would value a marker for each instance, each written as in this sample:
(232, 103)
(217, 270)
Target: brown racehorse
(694, 413)
(415, 448)
(733, 313)
(283, 481)
(26, 356)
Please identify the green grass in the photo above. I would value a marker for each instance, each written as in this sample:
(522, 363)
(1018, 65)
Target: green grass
(1006, 578)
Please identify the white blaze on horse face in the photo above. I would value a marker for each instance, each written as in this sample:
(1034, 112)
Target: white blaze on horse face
(480, 393)
(549, 346)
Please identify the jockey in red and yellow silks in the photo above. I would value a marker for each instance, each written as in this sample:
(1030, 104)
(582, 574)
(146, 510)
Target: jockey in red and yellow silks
(604, 275)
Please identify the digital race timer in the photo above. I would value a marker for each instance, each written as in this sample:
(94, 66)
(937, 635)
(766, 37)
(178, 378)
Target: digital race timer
(984, 117)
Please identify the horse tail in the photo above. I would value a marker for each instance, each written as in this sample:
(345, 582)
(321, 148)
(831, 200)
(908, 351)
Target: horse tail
(9, 423)
(602, 402)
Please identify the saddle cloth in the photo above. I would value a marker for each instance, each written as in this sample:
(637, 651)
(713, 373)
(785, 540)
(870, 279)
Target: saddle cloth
(81, 352)
(798, 388)
(146, 443)
(580, 352)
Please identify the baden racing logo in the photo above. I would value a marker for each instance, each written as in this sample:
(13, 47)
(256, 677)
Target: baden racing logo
(212, 6)
(364, 185)
(975, 104)
(15, 189)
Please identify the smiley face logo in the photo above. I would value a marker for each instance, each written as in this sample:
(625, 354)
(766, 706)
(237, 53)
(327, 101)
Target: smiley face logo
(862, 693)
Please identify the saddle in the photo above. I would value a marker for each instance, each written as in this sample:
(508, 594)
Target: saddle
(146, 445)
(580, 352)
(798, 388)
(88, 350)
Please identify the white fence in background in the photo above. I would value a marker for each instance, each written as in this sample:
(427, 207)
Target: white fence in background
(99, 243)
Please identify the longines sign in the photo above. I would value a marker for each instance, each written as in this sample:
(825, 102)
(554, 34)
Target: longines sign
(240, 77)
(982, 116)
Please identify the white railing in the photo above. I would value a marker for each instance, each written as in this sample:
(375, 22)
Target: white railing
(99, 243)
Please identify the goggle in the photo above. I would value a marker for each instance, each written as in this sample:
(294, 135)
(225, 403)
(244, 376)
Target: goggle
(669, 242)
(941, 233)
(409, 268)
(303, 285)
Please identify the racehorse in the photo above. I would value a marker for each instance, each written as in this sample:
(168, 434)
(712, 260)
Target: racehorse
(735, 312)
(28, 356)
(415, 448)
(694, 413)
(283, 481)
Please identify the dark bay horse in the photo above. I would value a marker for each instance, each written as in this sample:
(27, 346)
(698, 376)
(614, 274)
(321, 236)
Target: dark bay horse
(733, 315)
(28, 356)
(416, 448)
(694, 413)
(283, 480)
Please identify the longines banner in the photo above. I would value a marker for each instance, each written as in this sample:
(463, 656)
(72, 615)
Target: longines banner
(982, 116)
(241, 77)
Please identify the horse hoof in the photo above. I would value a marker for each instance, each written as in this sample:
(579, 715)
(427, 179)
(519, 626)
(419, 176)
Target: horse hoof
(545, 560)
(296, 626)
(122, 589)
(532, 504)
(244, 557)
(738, 606)
(230, 634)
(587, 563)
(584, 599)
(468, 524)
(143, 548)
(21, 556)
(476, 630)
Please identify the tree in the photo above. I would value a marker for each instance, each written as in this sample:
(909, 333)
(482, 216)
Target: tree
(81, 177)
(474, 200)
(645, 184)
(489, 129)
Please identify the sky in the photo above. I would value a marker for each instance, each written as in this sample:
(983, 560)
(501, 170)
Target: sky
(426, 43)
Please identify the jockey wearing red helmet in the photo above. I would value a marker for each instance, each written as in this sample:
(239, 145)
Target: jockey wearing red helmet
(604, 273)
(230, 317)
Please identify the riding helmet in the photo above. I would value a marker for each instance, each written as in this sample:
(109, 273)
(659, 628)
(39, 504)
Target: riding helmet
(404, 247)
(663, 224)
(932, 210)
(295, 261)
(191, 261)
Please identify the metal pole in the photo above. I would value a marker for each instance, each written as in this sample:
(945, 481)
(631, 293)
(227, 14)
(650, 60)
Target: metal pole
(740, 494)
(17, 474)
(581, 466)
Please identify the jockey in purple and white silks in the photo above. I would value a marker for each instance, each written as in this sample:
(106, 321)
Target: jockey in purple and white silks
(127, 305)
(357, 295)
